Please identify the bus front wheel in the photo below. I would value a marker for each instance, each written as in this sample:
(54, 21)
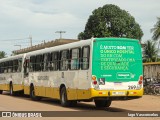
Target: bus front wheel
(102, 103)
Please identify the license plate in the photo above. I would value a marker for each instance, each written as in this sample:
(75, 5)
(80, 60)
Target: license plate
(118, 93)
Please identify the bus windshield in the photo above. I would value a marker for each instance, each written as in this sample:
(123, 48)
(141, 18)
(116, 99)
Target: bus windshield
(116, 59)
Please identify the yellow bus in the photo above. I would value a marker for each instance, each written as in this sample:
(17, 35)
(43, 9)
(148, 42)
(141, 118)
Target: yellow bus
(98, 69)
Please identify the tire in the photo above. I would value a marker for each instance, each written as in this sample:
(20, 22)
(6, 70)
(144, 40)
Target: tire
(32, 94)
(63, 98)
(11, 92)
(157, 90)
(1, 91)
(102, 103)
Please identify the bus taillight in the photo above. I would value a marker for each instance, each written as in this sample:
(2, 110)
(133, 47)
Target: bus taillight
(95, 82)
(140, 80)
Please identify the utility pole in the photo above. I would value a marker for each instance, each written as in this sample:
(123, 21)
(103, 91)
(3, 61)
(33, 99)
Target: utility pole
(60, 32)
(30, 37)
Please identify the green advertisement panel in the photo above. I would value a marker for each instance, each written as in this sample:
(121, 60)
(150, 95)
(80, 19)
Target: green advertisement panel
(116, 59)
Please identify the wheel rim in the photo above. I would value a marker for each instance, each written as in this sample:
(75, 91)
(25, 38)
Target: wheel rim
(155, 90)
(33, 95)
(63, 97)
(11, 90)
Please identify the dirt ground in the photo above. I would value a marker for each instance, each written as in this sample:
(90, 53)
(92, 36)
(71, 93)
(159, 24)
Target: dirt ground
(23, 103)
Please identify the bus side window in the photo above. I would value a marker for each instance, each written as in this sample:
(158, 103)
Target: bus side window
(85, 57)
(39, 62)
(2, 67)
(75, 59)
(19, 65)
(10, 67)
(54, 61)
(5, 70)
(26, 67)
(15, 64)
(51, 62)
(46, 62)
(64, 55)
(32, 63)
(6, 66)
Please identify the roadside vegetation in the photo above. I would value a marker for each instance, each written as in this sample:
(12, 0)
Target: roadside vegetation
(2, 54)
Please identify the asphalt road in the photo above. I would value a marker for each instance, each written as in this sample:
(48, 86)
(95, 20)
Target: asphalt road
(24, 103)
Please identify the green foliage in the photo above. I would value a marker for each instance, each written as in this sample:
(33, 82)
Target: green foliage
(156, 34)
(156, 30)
(150, 51)
(158, 59)
(111, 21)
(2, 54)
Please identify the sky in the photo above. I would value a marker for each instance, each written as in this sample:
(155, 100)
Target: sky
(40, 19)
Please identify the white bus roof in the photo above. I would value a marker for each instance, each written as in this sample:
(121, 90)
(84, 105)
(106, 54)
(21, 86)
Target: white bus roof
(11, 58)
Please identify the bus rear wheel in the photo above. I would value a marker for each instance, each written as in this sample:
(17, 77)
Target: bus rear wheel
(63, 98)
(102, 103)
(32, 94)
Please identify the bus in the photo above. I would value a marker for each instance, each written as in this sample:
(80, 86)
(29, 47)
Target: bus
(98, 69)
(11, 74)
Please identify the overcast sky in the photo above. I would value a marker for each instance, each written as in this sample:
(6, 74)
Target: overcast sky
(42, 18)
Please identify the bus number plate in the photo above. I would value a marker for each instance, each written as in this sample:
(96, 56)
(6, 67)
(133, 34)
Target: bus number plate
(132, 87)
(118, 93)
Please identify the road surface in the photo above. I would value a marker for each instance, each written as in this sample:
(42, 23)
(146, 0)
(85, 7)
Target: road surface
(24, 103)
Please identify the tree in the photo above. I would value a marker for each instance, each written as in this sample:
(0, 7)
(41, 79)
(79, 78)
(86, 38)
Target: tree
(111, 21)
(156, 33)
(150, 51)
(2, 54)
(156, 30)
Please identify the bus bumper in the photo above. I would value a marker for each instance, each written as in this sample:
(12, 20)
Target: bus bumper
(116, 94)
